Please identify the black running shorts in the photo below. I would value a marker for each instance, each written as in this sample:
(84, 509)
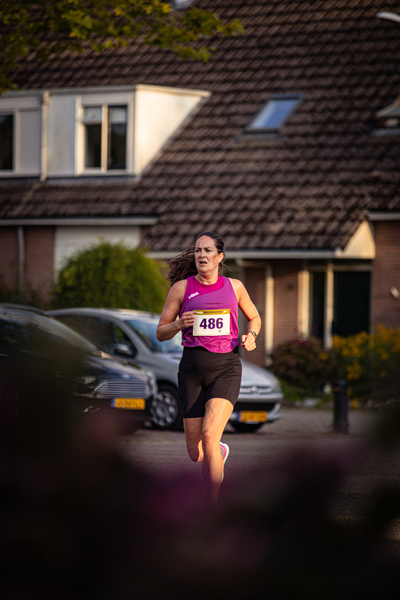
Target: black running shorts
(204, 375)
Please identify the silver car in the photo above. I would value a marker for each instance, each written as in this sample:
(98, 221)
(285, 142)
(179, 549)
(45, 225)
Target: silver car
(132, 334)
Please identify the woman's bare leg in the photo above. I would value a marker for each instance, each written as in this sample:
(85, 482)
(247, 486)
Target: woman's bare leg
(193, 435)
(218, 411)
(203, 435)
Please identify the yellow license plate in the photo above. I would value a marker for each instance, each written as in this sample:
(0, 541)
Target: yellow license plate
(129, 403)
(253, 416)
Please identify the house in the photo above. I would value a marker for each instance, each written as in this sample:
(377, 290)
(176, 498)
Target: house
(287, 143)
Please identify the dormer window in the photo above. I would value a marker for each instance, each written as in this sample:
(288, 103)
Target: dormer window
(91, 131)
(105, 137)
(273, 114)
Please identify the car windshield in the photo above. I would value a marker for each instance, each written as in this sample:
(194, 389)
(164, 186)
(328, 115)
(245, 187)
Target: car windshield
(146, 330)
(57, 328)
(28, 329)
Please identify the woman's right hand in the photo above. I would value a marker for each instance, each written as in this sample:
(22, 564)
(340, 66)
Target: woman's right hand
(187, 320)
(169, 324)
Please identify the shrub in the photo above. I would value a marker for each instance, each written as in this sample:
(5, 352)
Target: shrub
(371, 363)
(303, 364)
(111, 276)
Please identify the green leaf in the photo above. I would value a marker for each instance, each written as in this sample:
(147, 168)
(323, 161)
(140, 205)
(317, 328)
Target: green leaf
(71, 23)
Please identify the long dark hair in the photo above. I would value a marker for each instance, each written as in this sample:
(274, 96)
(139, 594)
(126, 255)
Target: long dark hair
(183, 265)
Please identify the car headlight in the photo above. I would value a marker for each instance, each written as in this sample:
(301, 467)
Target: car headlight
(276, 386)
(152, 381)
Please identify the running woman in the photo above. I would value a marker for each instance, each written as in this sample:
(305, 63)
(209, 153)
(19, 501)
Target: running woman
(203, 305)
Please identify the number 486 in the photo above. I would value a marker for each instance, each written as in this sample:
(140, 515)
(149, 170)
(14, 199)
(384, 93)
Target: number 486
(212, 323)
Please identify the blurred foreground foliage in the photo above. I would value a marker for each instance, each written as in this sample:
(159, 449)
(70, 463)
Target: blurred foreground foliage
(369, 362)
(79, 520)
(111, 276)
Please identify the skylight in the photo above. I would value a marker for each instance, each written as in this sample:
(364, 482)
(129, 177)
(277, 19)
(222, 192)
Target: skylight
(274, 113)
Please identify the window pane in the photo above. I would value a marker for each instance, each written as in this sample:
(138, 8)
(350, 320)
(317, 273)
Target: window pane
(120, 336)
(6, 142)
(274, 113)
(92, 114)
(100, 332)
(93, 146)
(147, 332)
(117, 116)
(318, 284)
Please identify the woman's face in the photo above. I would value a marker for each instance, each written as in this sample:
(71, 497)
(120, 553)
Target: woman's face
(206, 255)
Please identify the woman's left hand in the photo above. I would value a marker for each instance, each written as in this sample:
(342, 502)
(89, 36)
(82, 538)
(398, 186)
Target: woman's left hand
(249, 342)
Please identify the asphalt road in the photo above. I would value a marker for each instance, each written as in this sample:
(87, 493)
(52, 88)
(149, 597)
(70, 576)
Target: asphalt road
(164, 452)
(306, 433)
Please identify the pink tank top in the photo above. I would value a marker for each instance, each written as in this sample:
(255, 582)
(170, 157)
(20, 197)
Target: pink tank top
(217, 297)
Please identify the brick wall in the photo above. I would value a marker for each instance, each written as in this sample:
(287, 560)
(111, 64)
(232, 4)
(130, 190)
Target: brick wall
(386, 274)
(39, 258)
(255, 285)
(9, 256)
(286, 294)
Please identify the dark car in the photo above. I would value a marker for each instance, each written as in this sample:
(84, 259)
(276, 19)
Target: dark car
(132, 334)
(37, 351)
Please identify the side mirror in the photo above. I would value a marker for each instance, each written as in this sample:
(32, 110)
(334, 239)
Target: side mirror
(123, 350)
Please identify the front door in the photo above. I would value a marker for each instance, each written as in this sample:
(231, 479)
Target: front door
(351, 307)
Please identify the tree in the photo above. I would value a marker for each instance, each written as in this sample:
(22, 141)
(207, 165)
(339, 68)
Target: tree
(53, 26)
(111, 276)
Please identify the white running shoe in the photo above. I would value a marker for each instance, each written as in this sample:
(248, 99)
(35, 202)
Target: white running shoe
(225, 454)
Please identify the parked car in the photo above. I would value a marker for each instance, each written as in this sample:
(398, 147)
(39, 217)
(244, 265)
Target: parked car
(132, 334)
(32, 342)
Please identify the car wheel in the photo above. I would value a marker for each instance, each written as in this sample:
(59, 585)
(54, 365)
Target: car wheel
(165, 408)
(245, 427)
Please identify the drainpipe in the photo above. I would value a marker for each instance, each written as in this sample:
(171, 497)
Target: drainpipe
(43, 154)
(21, 259)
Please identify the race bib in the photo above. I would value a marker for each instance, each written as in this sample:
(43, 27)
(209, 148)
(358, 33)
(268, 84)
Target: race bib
(212, 322)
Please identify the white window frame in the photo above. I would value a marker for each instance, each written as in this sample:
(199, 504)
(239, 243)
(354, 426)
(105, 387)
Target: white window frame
(10, 104)
(14, 113)
(104, 100)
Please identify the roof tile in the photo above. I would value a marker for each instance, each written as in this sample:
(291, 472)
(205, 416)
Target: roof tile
(307, 188)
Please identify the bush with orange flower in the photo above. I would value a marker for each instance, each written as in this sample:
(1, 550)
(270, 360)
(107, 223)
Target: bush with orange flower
(303, 364)
(370, 363)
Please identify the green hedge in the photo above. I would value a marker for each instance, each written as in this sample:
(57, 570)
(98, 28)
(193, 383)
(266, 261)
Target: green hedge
(111, 276)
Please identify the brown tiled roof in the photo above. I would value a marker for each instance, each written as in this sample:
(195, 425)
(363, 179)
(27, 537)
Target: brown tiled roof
(309, 188)
(61, 200)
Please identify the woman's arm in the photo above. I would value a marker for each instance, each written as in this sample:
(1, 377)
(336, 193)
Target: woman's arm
(250, 312)
(169, 325)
